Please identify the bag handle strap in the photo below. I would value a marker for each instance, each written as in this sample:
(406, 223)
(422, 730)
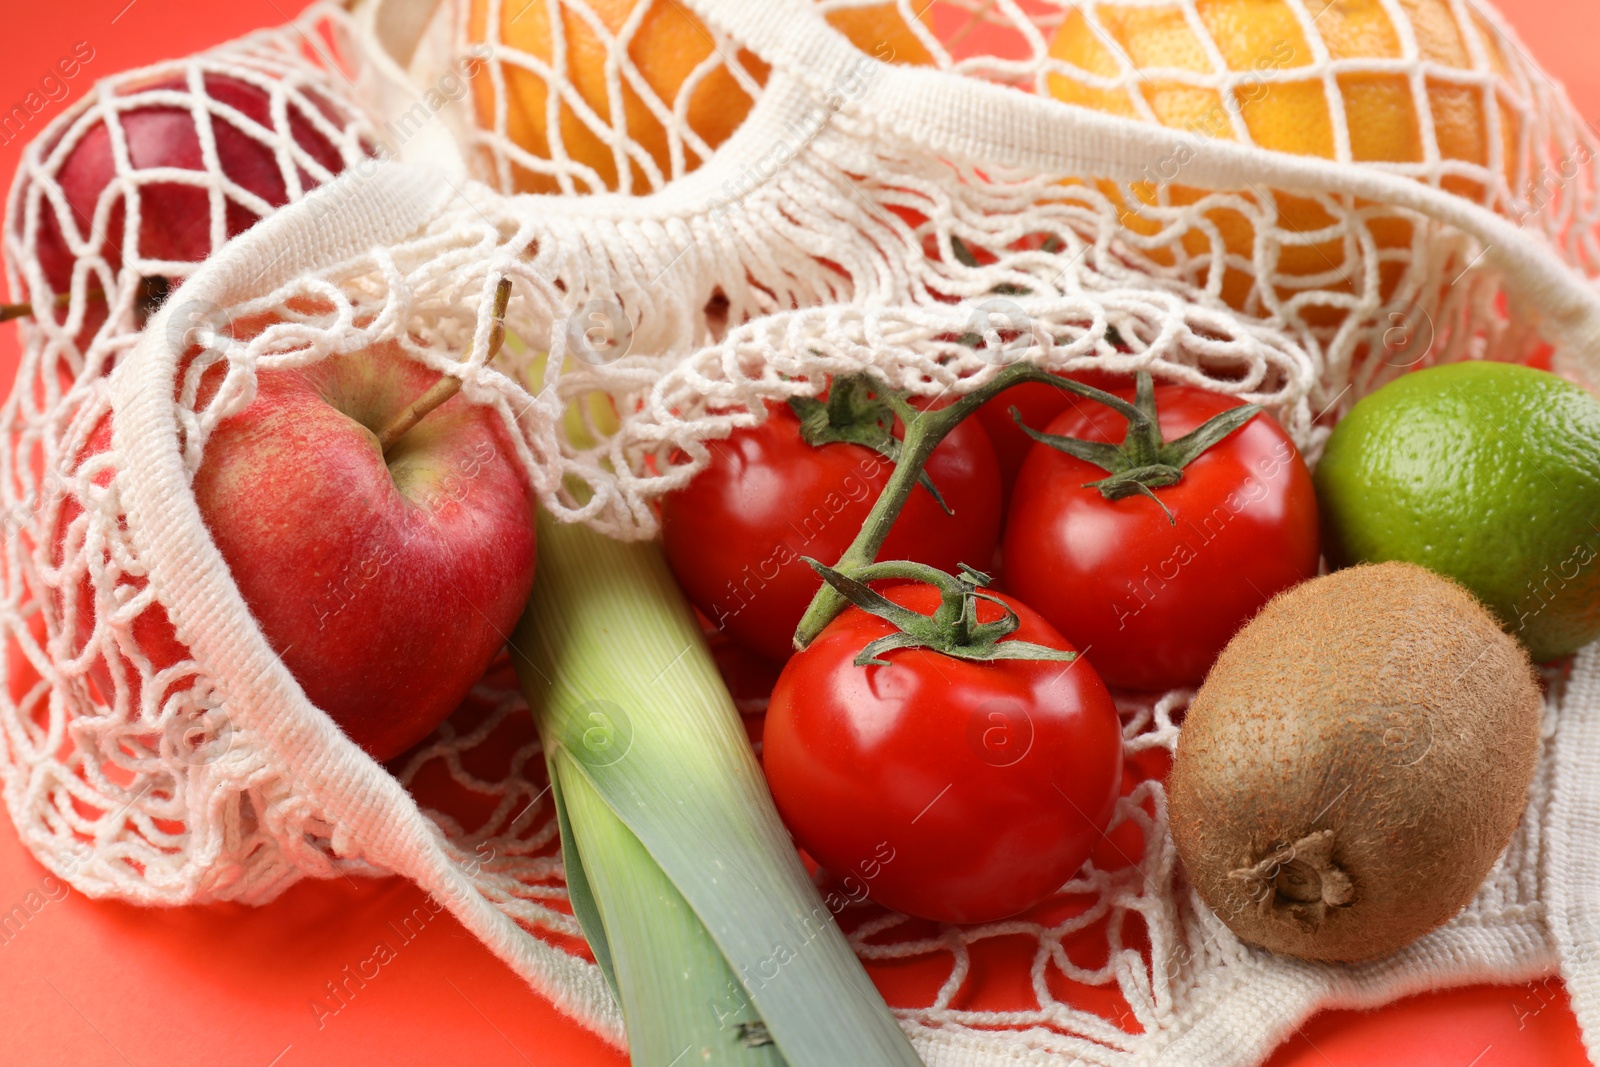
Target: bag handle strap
(398, 25)
(373, 204)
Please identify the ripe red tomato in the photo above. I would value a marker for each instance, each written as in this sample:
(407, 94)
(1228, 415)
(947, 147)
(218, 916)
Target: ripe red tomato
(953, 790)
(1149, 602)
(735, 534)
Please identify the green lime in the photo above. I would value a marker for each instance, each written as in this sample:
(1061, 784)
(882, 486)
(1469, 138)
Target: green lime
(1488, 473)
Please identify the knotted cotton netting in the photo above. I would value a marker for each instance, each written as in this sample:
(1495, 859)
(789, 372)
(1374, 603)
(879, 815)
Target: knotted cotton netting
(805, 191)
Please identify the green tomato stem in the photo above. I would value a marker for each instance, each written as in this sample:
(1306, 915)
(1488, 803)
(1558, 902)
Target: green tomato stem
(924, 430)
(953, 628)
(1145, 460)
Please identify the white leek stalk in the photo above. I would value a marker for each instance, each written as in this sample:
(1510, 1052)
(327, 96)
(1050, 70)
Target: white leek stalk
(684, 880)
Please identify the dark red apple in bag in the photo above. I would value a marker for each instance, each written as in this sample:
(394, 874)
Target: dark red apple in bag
(175, 212)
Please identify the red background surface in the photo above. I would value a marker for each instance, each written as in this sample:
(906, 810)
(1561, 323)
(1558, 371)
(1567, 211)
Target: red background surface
(88, 983)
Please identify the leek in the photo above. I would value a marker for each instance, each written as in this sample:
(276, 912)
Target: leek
(711, 935)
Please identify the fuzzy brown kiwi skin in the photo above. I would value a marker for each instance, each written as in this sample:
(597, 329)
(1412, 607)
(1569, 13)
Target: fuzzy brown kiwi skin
(1354, 764)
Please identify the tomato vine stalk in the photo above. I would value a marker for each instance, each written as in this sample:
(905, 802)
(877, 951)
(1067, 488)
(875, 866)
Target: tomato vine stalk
(1143, 461)
(924, 430)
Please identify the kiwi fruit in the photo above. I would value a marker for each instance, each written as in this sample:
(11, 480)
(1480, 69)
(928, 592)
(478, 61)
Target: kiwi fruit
(1354, 764)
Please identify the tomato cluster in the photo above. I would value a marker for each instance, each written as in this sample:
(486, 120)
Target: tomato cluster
(957, 728)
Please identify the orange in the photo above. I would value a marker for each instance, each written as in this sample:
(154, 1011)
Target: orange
(1294, 115)
(666, 49)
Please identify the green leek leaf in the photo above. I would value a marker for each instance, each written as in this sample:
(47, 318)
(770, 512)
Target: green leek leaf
(633, 711)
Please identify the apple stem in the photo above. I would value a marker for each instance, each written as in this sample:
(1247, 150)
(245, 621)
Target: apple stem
(448, 385)
(152, 291)
(22, 311)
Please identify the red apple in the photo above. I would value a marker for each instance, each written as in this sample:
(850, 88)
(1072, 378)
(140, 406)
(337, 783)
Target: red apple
(387, 584)
(174, 217)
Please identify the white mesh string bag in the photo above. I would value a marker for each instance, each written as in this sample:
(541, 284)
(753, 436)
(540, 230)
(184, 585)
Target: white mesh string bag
(928, 225)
